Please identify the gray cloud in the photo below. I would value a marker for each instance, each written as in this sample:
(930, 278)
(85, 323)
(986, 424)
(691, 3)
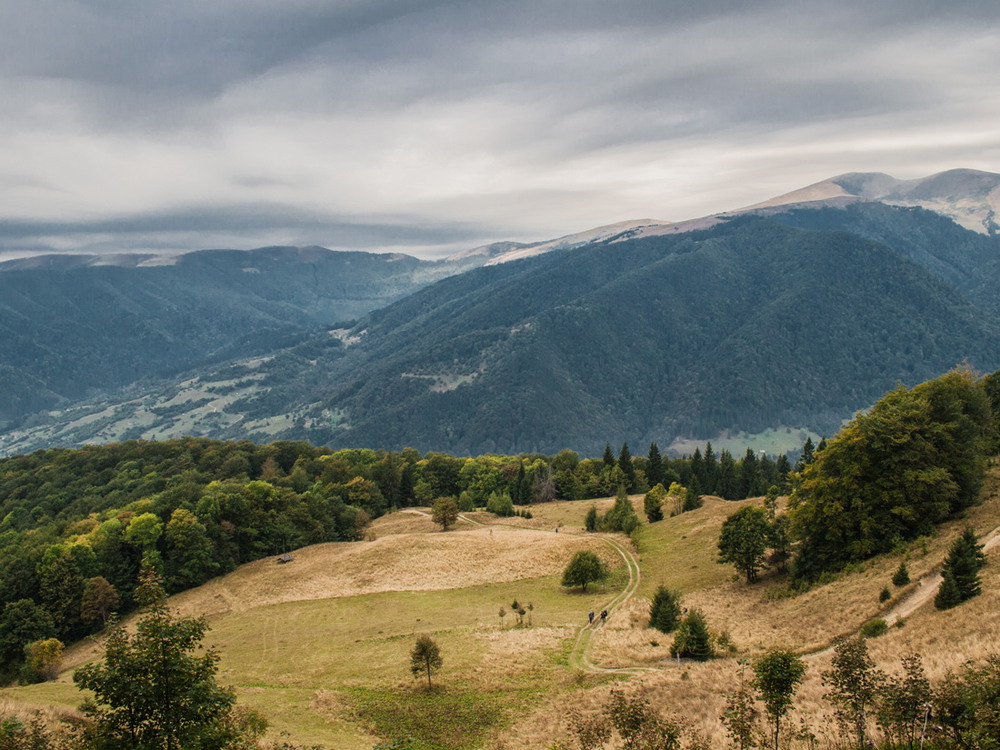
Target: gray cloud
(428, 123)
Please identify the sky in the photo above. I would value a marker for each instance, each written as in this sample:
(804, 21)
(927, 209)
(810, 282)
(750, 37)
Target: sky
(432, 126)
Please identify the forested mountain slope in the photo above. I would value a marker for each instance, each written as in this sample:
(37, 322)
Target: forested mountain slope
(749, 325)
(75, 325)
(745, 326)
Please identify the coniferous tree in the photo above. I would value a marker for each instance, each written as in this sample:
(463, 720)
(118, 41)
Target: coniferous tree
(727, 484)
(521, 488)
(591, 521)
(961, 571)
(654, 467)
(609, 457)
(808, 448)
(782, 468)
(692, 497)
(902, 575)
(625, 464)
(697, 468)
(710, 471)
(692, 639)
(665, 610)
(948, 595)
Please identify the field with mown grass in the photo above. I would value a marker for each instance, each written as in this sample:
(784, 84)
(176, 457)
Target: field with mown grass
(321, 646)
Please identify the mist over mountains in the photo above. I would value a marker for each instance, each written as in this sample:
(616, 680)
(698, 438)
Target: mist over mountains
(790, 314)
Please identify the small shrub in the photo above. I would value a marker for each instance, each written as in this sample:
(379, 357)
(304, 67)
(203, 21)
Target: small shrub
(902, 576)
(885, 595)
(874, 628)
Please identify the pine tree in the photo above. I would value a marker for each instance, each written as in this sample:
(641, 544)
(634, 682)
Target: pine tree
(902, 575)
(625, 464)
(711, 471)
(948, 595)
(962, 566)
(665, 610)
(692, 497)
(808, 448)
(692, 639)
(609, 457)
(654, 470)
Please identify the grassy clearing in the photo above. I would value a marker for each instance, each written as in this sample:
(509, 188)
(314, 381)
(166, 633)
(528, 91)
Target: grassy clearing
(441, 718)
(307, 665)
(774, 441)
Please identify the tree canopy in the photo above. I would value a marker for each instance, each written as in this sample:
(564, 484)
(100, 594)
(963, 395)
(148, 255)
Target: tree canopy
(585, 568)
(891, 474)
(744, 540)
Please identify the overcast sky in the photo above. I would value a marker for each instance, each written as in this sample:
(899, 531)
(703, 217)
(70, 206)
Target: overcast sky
(433, 125)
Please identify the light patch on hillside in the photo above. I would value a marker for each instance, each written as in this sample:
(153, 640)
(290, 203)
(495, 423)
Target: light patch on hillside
(773, 442)
(445, 382)
(412, 562)
(344, 336)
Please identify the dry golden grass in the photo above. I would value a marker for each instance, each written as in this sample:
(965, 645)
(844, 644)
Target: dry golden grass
(411, 562)
(694, 694)
(294, 637)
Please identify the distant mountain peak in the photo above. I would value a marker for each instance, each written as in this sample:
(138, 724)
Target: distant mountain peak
(969, 197)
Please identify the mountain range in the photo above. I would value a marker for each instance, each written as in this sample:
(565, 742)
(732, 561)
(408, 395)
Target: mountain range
(787, 315)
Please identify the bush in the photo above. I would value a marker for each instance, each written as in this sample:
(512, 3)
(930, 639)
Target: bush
(885, 595)
(902, 576)
(500, 504)
(621, 517)
(874, 628)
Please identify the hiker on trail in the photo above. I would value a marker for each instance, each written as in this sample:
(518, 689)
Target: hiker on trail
(604, 615)
(590, 616)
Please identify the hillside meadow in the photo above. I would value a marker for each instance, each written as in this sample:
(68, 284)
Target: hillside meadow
(321, 645)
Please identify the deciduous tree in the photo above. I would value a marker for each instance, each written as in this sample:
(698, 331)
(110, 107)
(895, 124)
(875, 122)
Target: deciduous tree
(744, 540)
(853, 683)
(583, 569)
(425, 658)
(444, 511)
(777, 674)
(152, 691)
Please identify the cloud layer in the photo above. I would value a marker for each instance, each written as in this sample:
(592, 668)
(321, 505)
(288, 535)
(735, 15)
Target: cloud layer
(435, 125)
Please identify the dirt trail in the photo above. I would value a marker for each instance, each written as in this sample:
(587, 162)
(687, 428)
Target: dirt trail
(924, 590)
(927, 586)
(580, 656)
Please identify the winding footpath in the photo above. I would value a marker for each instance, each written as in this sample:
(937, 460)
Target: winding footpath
(924, 590)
